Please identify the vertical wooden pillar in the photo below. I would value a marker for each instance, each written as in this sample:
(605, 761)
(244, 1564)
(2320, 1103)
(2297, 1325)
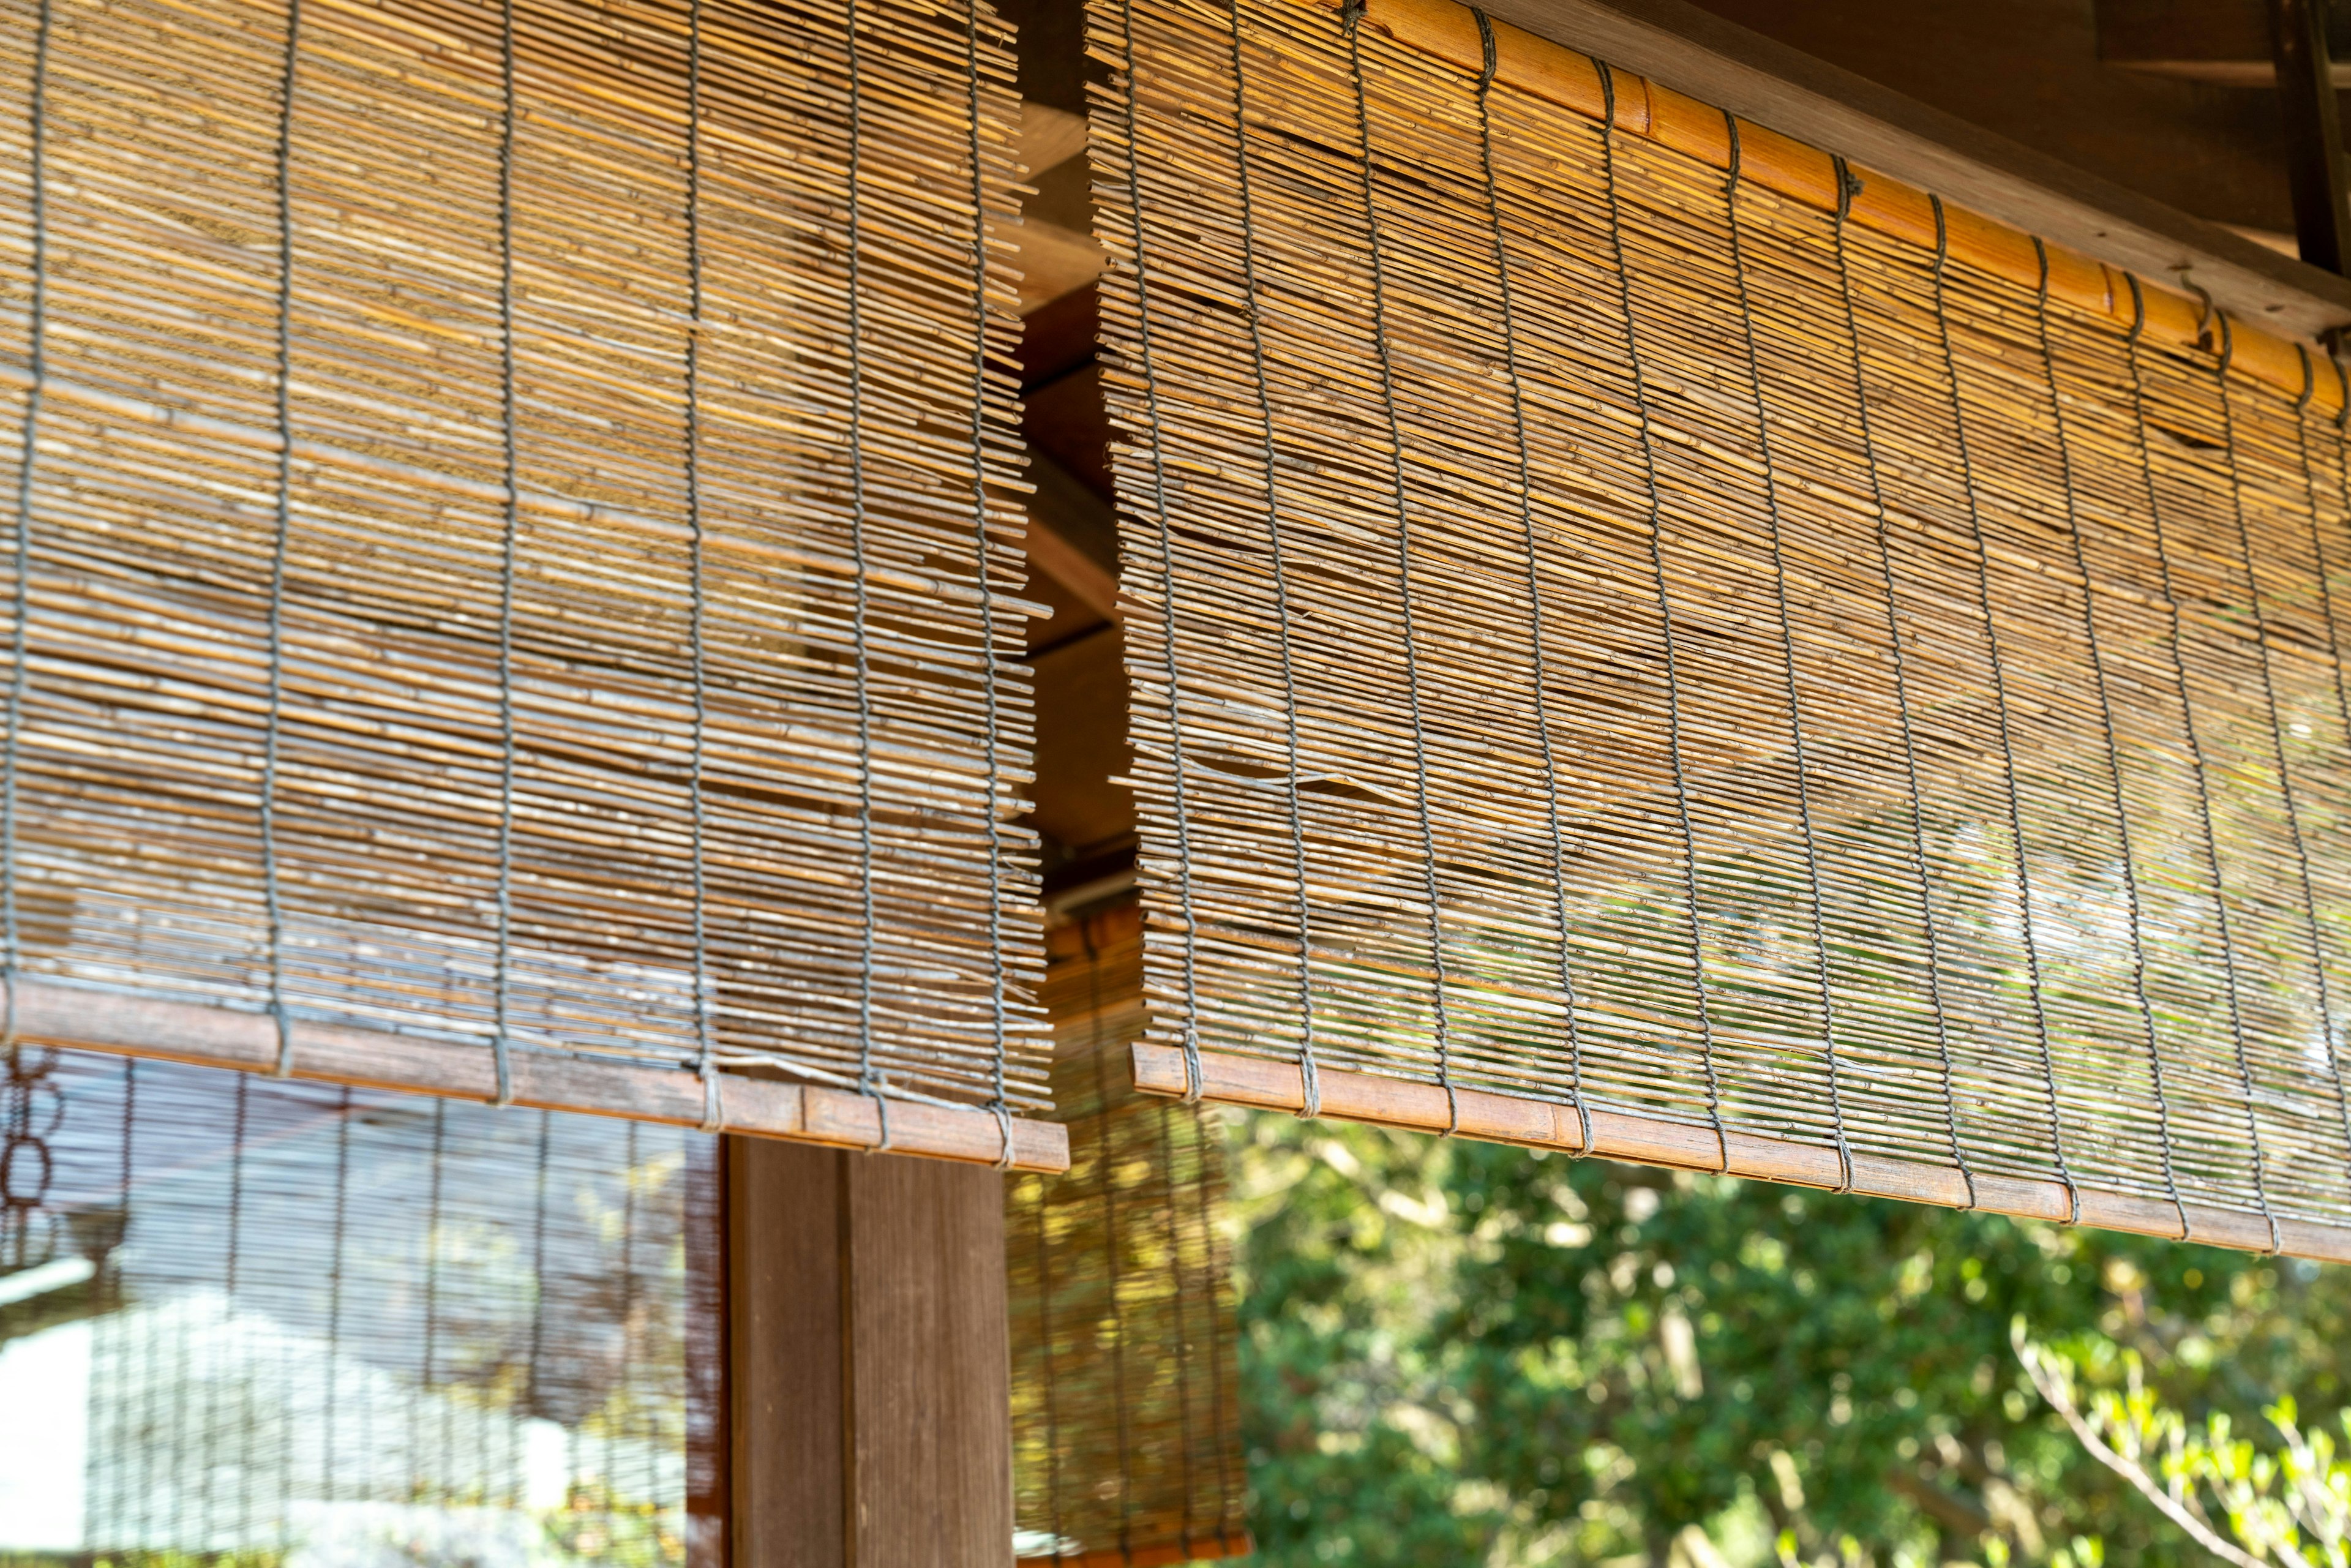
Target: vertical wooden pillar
(868, 1361)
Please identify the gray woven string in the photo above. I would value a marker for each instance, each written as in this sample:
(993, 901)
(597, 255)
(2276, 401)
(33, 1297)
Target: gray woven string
(1227, 1494)
(2105, 704)
(2285, 779)
(19, 636)
(500, 1050)
(1665, 606)
(1113, 1250)
(1534, 575)
(1848, 187)
(2334, 652)
(869, 1081)
(1349, 15)
(1148, 366)
(1174, 1241)
(1788, 658)
(1045, 1192)
(1252, 310)
(273, 722)
(2188, 726)
(340, 1230)
(706, 1063)
(997, 977)
(1999, 688)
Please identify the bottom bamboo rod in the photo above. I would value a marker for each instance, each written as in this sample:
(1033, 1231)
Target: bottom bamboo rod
(1161, 1555)
(47, 1013)
(1276, 1085)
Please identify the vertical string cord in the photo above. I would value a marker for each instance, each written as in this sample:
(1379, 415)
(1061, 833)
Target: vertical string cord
(335, 1289)
(243, 1507)
(2105, 700)
(2286, 780)
(1788, 654)
(2188, 728)
(624, 1427)
(869, 1081)
(1212, 1272)
(1349, 15)
(500, 1046)
(36, 362)
(1849, 187)
(1998, 690)
(1534, 574)
(1311, 1098)
(1045, 1337)
(237, 1187)
(1150, 369)
(1665, 608)
(531, 1387)
(432, 1251)
(706, 1063)
(1175, 1278)
(996, 961)
(2335, 654)
(1106, 1131)
(273, 912)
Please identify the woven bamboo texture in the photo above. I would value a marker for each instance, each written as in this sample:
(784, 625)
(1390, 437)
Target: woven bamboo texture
(1643, 627)
(512, 534)
(1126, 1401)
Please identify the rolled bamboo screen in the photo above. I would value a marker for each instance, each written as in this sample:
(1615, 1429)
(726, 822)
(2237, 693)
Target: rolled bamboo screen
(1649, 641)
(1125, 1371)
(511, 592)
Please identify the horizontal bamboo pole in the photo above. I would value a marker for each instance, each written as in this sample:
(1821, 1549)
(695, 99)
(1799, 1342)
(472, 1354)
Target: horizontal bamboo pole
(1556, 74)
(206, 1036)
(1274, 1085)
(1161, 1555)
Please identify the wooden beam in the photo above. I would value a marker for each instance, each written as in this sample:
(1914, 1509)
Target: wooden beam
(79, 1018)
(870, 1357)
(1050, 136)
(2223, 42)
(1081, 747)
(1074, 536)
(2313, 132)
(1059, 338)
(1720, 63)
(1639, 1138)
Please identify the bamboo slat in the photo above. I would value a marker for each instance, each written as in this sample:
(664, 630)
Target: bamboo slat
(1628, 614)
(513, 546)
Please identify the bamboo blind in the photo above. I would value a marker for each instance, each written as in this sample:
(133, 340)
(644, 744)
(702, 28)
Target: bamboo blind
(1649, 641)
(511, 576)
(313, 1319)
(1126, 1372)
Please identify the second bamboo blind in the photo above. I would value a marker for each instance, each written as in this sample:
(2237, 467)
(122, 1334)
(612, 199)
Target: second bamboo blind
(1125, 1344)
(1797, 697)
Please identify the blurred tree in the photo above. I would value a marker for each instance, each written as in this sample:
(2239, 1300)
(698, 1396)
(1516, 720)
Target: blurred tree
(1459, 1353)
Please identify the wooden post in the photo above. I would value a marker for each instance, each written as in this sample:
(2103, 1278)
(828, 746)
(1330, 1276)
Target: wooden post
(868, 1363)
(2313, 132)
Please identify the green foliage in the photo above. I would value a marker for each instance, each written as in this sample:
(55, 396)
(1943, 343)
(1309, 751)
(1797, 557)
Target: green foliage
(2288, 1505)
(1457, 1353)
